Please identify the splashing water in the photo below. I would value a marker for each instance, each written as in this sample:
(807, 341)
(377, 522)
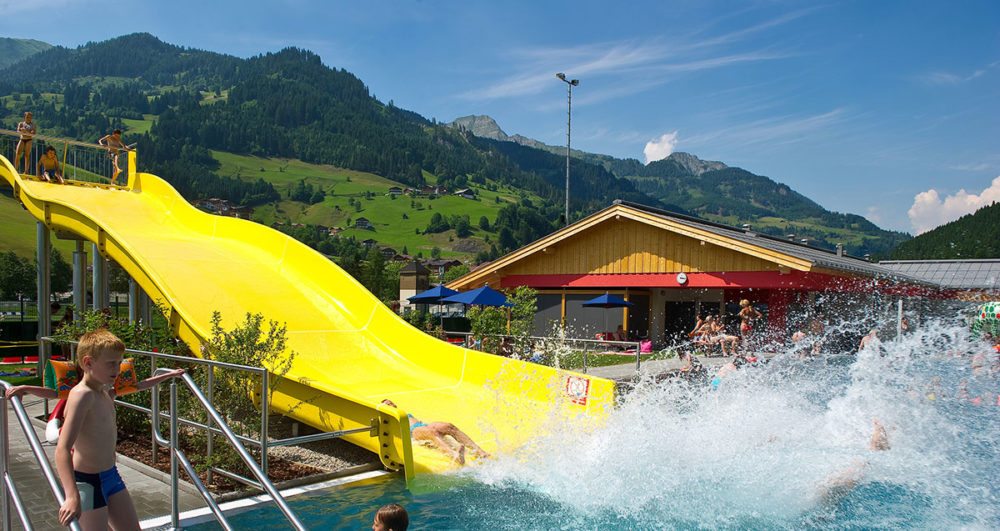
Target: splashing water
(782, 446)
(760, 451)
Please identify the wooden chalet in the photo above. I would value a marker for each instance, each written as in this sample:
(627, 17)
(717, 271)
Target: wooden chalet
(674, 267)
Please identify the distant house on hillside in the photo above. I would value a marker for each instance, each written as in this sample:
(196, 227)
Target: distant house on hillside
(223, 207)
(363, 223)
(440, 266)
(433, 190)
(335, 231)
(466, 193)
(387, 252)
(395, 190)
(242, 212)
(369, 243)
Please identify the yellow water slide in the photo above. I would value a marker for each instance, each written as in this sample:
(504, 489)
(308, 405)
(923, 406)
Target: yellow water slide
(352, 351)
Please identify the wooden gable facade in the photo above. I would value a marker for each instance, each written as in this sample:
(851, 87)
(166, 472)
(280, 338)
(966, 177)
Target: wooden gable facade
(671, 267)
(621, 240)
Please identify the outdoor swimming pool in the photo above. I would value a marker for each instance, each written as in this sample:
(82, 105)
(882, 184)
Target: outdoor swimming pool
(756, 453)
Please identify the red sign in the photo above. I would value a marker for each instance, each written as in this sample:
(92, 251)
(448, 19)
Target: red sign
(577, 388)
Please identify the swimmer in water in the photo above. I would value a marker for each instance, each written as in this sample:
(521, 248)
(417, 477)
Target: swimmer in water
(839, 485)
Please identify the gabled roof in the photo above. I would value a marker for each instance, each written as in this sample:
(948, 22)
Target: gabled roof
(951, 274)
(785, 253)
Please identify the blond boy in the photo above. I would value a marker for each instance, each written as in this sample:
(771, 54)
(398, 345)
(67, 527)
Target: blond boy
(85, 454)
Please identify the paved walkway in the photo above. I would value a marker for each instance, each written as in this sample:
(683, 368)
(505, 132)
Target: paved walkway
(626, 371)
(150, 494)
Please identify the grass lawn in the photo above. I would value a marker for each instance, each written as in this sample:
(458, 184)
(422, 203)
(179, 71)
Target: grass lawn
(19, 230)
(386, 213)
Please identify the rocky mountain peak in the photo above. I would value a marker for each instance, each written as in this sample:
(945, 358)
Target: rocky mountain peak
(694, 165)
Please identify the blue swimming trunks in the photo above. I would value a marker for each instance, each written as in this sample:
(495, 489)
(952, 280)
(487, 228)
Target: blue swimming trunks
(97, 489)
(414, 423)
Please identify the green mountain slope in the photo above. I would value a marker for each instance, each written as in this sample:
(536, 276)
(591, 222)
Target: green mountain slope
(708, 189)
(14, 50)
(975, 235)
(192, 111)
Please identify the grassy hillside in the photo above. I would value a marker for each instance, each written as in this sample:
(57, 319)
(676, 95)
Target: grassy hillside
(18, 232)
(369, 194)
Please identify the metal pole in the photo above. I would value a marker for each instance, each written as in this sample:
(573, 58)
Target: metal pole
(96, 284)
(4, 456)
(79, 280)
(133, 301)
(174, 505)
(265, 384)
(208, 446)
(569, 107)
(44, 247)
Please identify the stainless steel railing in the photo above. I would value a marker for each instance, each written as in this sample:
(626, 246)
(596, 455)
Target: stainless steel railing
(79, 162)
(177, 456)
(8, 491)
(585, 345)
(262, 444)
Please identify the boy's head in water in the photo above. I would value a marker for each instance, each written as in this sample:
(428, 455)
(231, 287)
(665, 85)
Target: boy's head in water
(391, 517)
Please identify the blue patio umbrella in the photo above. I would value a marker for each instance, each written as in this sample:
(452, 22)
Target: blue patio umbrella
(433, 296)
(607, 301)
(484, 296)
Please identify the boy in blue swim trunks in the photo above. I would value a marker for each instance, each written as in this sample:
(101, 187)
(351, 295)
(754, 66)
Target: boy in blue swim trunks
(85, 454)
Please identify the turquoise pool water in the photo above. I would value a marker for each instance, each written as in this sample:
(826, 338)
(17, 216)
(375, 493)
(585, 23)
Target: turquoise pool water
(760, 452)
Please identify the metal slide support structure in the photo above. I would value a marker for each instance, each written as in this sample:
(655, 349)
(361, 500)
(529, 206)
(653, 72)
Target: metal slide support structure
(44, 248)
(133, 301)
(79, 280)
(100, 284)
(7, 488)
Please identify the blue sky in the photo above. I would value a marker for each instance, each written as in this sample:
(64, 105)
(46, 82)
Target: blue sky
(887, 109)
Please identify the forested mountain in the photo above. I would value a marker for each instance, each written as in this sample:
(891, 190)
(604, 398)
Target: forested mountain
(709, 189)
(14, 50)
(184, 106)
(975, 235)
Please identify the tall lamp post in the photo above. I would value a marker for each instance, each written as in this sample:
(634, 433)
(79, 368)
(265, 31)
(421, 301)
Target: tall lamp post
(569, 106)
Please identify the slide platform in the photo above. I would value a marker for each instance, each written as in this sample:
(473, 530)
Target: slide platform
(352, 351)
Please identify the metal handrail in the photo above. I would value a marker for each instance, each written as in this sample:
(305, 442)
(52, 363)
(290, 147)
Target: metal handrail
(7, 489)
(54, 139)
(176, 455)
(636, 344)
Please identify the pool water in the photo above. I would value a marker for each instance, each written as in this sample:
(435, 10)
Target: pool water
(759, 452)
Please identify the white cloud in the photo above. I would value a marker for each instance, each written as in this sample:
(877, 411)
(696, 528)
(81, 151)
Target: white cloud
(930, 211)
(660, 148)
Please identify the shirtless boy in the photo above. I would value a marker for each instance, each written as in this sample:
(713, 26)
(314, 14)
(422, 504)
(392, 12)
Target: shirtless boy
(85, 454)
(115, 146)
(27, 130)
(48, 166)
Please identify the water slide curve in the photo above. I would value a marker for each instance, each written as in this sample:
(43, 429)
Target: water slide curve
(351, 350)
